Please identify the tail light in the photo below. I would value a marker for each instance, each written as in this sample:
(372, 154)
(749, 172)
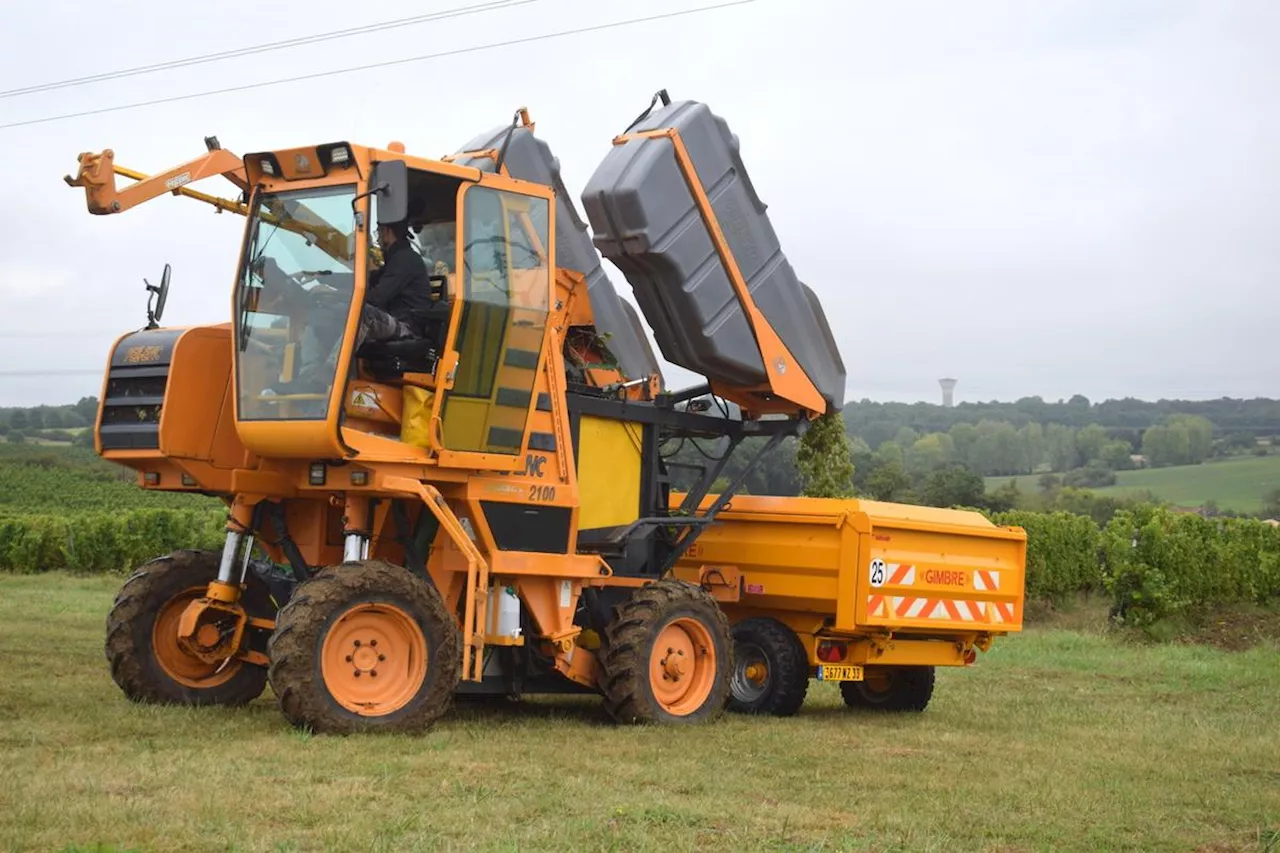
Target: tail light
(830, 651)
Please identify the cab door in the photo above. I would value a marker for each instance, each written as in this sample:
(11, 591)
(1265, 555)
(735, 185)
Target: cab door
(495, 350)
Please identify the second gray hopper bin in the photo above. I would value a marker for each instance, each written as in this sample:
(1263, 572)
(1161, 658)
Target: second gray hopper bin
(528, 158)
(647, 222)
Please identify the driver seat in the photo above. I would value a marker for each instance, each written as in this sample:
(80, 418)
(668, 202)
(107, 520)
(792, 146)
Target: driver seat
(393, 359)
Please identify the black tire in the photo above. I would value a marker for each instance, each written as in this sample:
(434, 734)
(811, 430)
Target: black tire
(771, 645)
(629, 645)
(296, 648)
(905, 688)
(132, 636)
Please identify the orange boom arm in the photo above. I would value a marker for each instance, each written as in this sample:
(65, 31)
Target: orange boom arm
(97, 174)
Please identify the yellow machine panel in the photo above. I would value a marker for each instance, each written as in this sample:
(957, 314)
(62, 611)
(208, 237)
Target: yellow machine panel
(608, 473)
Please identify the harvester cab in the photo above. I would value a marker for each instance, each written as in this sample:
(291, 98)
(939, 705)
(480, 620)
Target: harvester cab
(483, 500)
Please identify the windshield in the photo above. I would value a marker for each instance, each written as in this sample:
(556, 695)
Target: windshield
(293, 299)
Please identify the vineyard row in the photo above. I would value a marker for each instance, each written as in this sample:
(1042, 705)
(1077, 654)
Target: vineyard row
(1153, 563)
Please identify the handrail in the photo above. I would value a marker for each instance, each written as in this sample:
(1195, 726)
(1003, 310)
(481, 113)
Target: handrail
(474, 617)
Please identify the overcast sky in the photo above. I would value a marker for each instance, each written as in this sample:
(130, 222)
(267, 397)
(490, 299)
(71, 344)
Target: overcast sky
(1036, 198)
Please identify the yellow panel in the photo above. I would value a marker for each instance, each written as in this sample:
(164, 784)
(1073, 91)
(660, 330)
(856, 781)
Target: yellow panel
(464, 420)
(608, 473)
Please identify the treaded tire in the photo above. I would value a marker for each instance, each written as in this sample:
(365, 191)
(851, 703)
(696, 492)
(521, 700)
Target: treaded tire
(296, 674)
(130, 643)
(629, 644)
(787, 679)
(909, 689)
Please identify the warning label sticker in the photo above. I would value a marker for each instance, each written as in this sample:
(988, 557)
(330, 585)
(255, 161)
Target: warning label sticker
(363, 398)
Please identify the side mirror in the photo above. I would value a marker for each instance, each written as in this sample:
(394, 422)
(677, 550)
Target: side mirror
(158, 295)
(391, 185)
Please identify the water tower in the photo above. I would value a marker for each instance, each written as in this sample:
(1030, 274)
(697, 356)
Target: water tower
(948, 386)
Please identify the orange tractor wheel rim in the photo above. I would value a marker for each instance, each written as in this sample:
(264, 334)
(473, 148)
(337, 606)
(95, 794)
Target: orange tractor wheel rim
(182, 667)
(374, 659)
(682, 666)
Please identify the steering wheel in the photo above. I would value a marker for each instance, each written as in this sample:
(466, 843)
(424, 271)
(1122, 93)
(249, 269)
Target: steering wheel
(302, 277)
(321, 290)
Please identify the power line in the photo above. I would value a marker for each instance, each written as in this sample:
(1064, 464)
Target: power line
(388, 64)
(70, 372)
(266, 48)
(27, 334)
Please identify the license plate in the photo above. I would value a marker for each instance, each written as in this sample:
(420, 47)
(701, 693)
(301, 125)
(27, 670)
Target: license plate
(839, 673)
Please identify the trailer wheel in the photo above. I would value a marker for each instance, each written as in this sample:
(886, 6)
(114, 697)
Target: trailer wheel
(669, 656)
(142, 636)
(770, 669)
(365, 646)
(906, 688)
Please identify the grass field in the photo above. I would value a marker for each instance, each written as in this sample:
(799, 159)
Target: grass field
(1236, 483)
(1057, 740)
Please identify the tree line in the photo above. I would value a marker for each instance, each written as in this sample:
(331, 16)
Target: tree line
(71, 416)
(994, 448)
(878, 422)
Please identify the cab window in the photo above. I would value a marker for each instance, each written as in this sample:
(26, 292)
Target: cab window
(506, 286)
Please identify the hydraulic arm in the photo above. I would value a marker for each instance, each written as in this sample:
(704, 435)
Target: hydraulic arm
(97, 174)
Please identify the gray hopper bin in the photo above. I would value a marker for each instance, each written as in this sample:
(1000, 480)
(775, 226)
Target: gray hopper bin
(646, 221)
(528, 158)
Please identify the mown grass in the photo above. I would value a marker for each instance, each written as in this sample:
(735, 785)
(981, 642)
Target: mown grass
(1237, 483)
(1057, 740)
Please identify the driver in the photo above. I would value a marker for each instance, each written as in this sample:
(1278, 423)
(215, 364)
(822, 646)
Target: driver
(397, 289)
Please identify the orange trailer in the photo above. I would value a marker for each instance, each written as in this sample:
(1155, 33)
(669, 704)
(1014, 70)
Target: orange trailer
(870, 594)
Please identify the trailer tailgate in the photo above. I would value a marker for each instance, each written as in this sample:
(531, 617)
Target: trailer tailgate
(927, 570)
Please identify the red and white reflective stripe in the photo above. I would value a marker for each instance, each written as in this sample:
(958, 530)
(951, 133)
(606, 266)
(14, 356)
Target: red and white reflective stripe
(909, 608)
(901, 573)
(890, 607)
(941, 609)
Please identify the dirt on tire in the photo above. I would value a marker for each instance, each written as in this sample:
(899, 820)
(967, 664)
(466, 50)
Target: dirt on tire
(637, 622)
(130, 638)
(296, 674)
